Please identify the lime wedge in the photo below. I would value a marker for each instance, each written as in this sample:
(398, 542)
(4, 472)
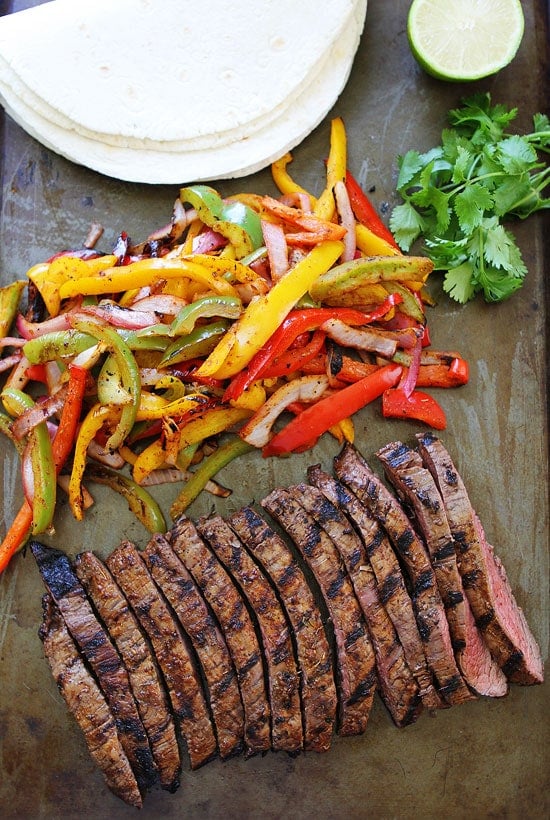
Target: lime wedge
(464, 39)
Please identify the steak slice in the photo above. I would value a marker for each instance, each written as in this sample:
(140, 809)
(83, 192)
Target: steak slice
(173, 653)
(317, 687)
(230, 609)
(497, 614)
(356, 677)
(208, 642)
(398, 687)
(391, 584)
(87, 705)
(417, 489)
(430, 613)
(282, 673)
(98, 650)
(135, 651)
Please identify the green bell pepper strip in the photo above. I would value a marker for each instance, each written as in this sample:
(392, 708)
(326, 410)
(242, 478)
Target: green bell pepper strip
(5, 427)
(142, 340)
(129, 375)
(9, 303)
(42, 461)
(234, 220)
(140, 502)
(207, 469)
(227, 307)
(57, 345)
(109, 383)
(200, 342)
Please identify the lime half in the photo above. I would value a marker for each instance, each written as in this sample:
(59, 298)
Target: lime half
(464, 39)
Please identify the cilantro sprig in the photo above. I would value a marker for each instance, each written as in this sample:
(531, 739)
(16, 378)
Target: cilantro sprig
(458, 195)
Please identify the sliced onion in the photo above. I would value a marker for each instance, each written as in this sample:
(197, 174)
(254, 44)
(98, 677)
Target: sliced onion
(18, 376)
(99, 453)
(207, 241)
(94, 235)
(347, 219)
(30, 330)
(118, 316)
(277, 249)
(27, 475)
(409, 382)
(299, 199)
(10, 361)
(161, 303)
(87, 499)
(364, 338)
(171, 475)
(41, 411)
(12, 341)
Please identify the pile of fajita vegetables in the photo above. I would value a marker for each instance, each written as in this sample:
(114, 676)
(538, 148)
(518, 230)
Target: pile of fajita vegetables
(247, 322)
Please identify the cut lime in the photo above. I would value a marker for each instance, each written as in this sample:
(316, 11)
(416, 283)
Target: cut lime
(464, 39)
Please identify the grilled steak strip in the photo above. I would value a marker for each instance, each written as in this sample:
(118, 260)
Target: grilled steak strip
(98, 650)
(147, 686)
(495, 609)
(208, 642)
(355, 656)
(317, 687)
(282, 673)
(174, 656)
(398, 687)
(230, 609)
(416, 487)
(391, 584)
(87, 705)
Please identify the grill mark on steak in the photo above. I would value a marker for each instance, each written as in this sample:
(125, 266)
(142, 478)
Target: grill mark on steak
(180, 589)
(391, 584)
(87, 704)
(282, 673)
(398, 687)
(228, 605)
(416, 486)
(430, 613)
(355, 658)
(317, 687)
(174, 656)
(98, 650)
(497, 614)
(147, 686)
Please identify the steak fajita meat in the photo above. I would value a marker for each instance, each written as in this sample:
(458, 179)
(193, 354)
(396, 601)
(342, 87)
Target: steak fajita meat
(87, 705)
(497, 614)
(398, 687)
(180, 589)
(282, 673)
(171, 648)
(230, 609)
(98, 650)
(356, 678)
(135, 651)
(430, 613)
(317, 687)
(391, 584)
(416, 487)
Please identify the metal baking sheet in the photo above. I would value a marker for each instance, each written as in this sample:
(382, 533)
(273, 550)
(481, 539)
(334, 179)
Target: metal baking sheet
(480, 760)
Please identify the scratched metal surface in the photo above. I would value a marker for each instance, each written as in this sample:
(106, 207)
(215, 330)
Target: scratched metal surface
(484, 759)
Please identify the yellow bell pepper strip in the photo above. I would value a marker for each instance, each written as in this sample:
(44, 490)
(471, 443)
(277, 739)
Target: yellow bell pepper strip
(284, 181)
(233, 270)
(343, 431)
(50, 277)
(336, 169)
(200, 342)
(237, 222)
(140, 502)
(129, 375)
(207, 469)
(305, 428)
(10, 296)
(153, 457)
(211, 422)
(146, 272)
(57, 345)
(372, 245)
(156, 407)
(226, 307)
(264, 315)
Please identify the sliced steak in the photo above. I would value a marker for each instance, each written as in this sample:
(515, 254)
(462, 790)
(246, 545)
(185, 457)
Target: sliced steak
(317, 687)
(391, 583)
(135, 651)
(282, 672)
(230, 609)
(171, 648)
(430, 612)
(416, 487)
(497, 614)
(398, 687)
(356, 677)
(208, 642)
(87, 705)
(98, 650)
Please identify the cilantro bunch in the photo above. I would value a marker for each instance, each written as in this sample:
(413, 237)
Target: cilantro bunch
(457, 196)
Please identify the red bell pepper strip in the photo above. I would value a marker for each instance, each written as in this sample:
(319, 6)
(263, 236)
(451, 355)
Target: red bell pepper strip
(70, 416)
(294, 359)
(365, 212)
(304, 430)
(419, 406)
(442, 375)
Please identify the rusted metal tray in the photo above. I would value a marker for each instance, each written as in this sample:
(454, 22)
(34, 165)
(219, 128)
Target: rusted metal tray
(482, 759)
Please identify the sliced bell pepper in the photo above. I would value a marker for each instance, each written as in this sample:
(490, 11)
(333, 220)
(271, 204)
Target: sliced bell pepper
(211, 422)
(16, 536)
(284, 181)
(419, 406)
(294, 360)
(10, 296)
(49, 278)
(65, 436)
(198, 343)
(227, 307)
(304, 430)
(325, 207)
(156, 407)
(372, 245)
(237, 222)
(365, 212)
(57, 345)
(140, 502)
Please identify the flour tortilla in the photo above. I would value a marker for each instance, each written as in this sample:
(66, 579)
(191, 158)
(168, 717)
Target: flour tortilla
(236, 159)
(169, 70)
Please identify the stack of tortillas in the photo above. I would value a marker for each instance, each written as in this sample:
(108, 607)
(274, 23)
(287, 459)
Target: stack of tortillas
(173, 91)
